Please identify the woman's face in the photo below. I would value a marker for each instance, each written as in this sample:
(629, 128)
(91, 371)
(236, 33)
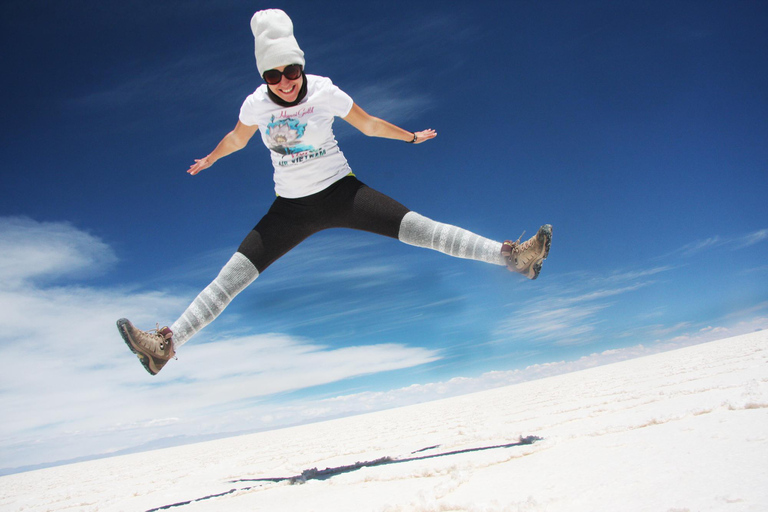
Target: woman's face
(287, 90)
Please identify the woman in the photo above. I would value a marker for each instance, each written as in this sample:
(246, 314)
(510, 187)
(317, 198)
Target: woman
(315, 186)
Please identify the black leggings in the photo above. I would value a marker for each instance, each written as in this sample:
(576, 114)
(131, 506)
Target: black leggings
(348, 203)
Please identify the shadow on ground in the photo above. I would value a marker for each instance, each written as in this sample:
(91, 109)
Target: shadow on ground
(324, 474)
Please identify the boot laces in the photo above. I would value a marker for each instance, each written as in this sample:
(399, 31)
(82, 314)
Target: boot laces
(166, 338)
(517, 251)
(159, 331)
(517, 247)
(522, 247)
(163, 339)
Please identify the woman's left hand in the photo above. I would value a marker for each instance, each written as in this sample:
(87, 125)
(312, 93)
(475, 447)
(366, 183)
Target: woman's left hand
(199, 165)
(425, 135)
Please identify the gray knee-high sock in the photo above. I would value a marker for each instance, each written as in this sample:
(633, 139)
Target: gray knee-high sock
(236, 275)
(420, 231)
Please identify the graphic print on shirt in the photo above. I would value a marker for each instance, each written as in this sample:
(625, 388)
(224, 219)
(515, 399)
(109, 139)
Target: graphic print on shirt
(284, 136)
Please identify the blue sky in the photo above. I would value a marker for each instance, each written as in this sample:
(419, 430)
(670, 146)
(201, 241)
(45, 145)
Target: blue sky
(637, 129)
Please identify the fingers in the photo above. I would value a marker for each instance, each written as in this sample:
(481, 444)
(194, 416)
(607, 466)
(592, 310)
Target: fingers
(198, 166)
(425, 135)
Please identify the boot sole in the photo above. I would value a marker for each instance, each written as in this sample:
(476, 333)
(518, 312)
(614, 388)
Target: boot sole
(545, 231)
(143, 358)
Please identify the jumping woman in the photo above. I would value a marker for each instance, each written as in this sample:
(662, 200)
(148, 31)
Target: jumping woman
(315, 187)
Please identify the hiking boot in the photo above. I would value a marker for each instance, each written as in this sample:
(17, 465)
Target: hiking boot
(153, 348)
(527, 257)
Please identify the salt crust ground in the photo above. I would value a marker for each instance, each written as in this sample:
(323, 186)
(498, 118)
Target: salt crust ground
(685, 430)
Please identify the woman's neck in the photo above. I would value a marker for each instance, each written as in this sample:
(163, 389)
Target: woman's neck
(302, 94)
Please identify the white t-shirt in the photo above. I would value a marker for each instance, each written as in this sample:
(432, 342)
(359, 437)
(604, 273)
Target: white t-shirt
(304, 151)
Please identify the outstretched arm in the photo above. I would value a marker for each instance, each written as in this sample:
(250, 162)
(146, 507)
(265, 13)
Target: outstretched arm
(375, 127)
(235, 140)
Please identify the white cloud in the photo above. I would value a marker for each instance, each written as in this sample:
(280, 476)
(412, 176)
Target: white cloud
(69, 382)
(70, 387)
(30, 249)
(257, 366)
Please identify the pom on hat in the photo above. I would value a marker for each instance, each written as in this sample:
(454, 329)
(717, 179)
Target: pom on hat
(275, 45)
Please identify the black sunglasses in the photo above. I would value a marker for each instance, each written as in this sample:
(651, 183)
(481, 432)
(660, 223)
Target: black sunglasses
(291, 72)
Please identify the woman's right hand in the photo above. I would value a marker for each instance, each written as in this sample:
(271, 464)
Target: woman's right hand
(199, 165)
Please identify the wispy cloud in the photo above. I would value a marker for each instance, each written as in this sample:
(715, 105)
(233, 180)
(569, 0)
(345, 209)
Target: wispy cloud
(604, 293)
(388, 87)
(547, 321)
(632, 275)
(177, 87)
(761, 308)
(572, 307)
(751, 239)
(696, 247)
(391, 100)
(760, 269)
(348, 282)
(661, 331)
(715, 242)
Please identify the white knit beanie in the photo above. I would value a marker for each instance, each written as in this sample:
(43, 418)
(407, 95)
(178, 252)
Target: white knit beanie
(275, 45)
